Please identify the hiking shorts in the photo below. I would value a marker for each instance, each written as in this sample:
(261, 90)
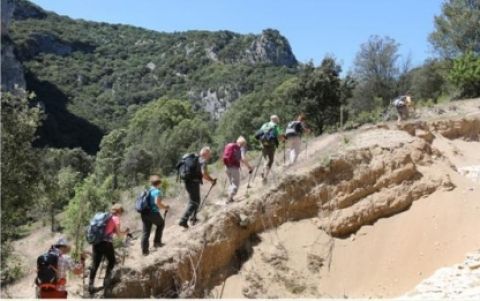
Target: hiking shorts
(268, 151)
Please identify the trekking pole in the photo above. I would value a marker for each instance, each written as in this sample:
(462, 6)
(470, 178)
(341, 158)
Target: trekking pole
(256, 167)
(205, 198)
(224, 185)
(284, 146)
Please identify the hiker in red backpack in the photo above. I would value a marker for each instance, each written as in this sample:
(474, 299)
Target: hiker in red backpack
(56, 262)
(233, 155)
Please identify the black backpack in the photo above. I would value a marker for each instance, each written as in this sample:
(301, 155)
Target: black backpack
(188, 168)
(294, 128)
(47, 264)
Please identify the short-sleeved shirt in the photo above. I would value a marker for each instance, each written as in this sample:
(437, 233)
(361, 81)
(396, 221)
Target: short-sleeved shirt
(111, 227)
(203, 165)
(65, 264)
(154, 194)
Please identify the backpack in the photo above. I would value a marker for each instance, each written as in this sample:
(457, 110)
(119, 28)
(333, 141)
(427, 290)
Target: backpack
(399, 101)
(46, 267)
(267, 134)
(142, 204)
(230, 155)
(294, 128)
(96, 228)
(188, 168)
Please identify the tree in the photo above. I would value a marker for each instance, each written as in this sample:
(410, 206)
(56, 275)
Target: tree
(319, 94)
(110, 156)
(165, 129)
(465, 74)
(457, 28)
(428, 81)
(376, 71)
(19, 172)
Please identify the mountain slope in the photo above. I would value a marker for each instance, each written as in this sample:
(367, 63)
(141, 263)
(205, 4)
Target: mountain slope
(104, 72)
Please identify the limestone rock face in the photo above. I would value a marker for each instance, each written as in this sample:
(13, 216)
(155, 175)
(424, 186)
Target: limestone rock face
(13, 79)
(270, 47)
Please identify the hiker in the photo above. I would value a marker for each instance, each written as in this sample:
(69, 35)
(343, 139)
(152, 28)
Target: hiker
(192, 169)
(402, 104)
(105, 247)
(293, 134)
(52, 268)
(152, 216)
(269, 135)
(233, 155)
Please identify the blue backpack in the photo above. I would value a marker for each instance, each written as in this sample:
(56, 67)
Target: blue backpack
(96, 228)
(142, 204)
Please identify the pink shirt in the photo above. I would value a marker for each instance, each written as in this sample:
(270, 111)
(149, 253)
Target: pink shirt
(111, 227)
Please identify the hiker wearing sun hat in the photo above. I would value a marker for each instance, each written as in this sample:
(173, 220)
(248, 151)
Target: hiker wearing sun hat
(52, 268)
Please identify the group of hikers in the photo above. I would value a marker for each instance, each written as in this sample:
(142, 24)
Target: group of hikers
(52, 267)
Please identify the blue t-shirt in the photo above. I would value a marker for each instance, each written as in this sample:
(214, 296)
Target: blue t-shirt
(154, 193)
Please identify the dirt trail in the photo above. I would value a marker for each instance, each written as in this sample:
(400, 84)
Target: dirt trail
(347, 182)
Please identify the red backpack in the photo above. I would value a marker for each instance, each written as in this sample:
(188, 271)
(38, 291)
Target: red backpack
(232, 155)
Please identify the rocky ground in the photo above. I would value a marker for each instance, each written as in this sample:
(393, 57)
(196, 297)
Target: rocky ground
(366, 213)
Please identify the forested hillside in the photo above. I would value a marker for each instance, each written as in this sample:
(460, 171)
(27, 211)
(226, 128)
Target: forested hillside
(91, 109)
(92, 77)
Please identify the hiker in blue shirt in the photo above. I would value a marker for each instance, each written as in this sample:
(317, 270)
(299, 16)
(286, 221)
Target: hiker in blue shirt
(153, 217)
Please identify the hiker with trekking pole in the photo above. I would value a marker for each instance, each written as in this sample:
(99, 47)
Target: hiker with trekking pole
(269, 135)
(192, 169)
(293, 133)
(234, 154)
(103, 226)
(148, 204)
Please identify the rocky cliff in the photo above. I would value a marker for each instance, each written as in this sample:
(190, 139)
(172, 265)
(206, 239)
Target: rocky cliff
(13, 79)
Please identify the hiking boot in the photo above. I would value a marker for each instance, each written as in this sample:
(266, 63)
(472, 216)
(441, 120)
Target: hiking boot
(145, 253)
(193, 221)
(158, 244)
(91, 288)
(229, 200)
(183, 224)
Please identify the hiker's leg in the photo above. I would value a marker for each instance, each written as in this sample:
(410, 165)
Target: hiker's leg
(234, 177)
(160, 225)
(271, 156)
(147, 227)
(110, 255)
(296, 147)
(399, 115)
(193, 189)
(96, 260)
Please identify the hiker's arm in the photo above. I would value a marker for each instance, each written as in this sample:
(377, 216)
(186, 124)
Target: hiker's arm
(244, 160)
(207, 176)
(120, 232)
(75, 267)
(161, 205)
